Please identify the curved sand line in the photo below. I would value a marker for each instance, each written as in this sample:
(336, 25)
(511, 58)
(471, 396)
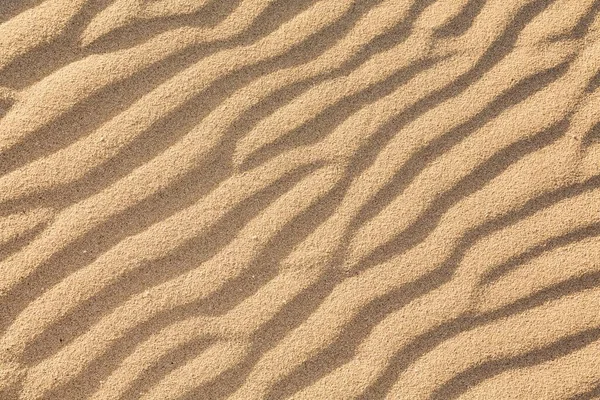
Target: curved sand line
(438, 239)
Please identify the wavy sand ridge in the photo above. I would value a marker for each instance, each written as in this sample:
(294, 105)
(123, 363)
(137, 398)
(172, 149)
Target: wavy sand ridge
(315, 199)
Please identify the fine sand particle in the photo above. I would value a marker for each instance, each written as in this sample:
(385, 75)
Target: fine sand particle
(305, 199)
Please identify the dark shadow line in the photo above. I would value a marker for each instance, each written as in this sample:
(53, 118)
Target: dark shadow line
(593, 84)
(52, 55)
(343, 348)
(592, 136)
(152, 139)
(496, 272)
(189, 180)
(318, 127)
(86, 248)
(554, 292)
(497, 51)
(187, 256)
(461, 383)
(102, 239)
(246, 284)
(462, 21)
(294, 312)
(166, 364)
(11, 8)
(5, 104)
(302, 52)
(591, 394)
(140, 30)
(469, 184)
(18, 242)
(437, 147)
(582, 27)
(383, 42)
(429, 340)
(98, 109)
(288, 318)
(394, 36)
(330, 358)
(444, 274)
(325, 121)
(147, 79)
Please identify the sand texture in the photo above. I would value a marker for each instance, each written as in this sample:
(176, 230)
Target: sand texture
(299, 199)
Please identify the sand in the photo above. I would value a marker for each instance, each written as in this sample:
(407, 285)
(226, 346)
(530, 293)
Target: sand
(304, 199)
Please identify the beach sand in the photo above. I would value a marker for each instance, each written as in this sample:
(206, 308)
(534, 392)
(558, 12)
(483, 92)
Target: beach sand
(304, 199)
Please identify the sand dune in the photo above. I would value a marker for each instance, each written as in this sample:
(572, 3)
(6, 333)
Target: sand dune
(314, 199)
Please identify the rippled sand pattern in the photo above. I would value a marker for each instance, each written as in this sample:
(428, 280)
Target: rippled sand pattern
(304, 199)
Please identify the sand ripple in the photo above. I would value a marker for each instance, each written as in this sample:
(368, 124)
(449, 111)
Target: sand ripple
(314, 199)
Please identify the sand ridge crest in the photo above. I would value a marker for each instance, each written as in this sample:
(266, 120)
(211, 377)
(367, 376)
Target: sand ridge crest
(315, 199)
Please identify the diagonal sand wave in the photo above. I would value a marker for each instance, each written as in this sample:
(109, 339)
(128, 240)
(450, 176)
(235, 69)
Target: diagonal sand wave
(434, 230)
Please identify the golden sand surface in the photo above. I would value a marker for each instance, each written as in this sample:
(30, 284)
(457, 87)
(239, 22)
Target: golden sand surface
(299, 199)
